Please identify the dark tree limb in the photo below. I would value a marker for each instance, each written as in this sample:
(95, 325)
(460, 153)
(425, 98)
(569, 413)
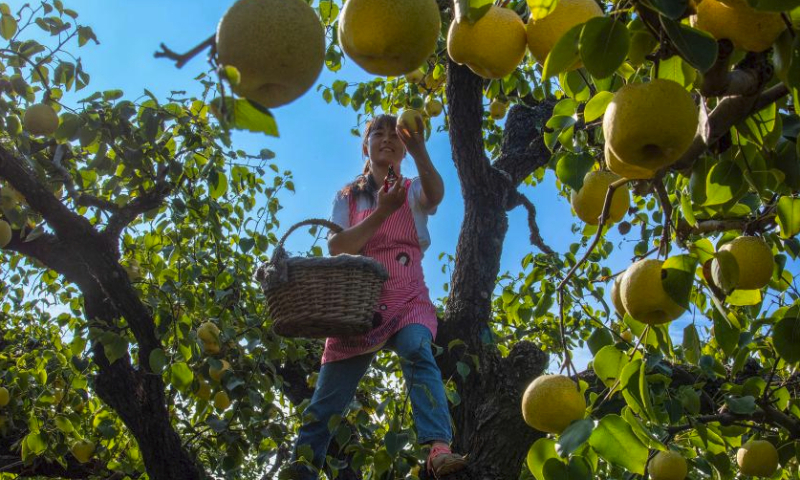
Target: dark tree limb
(125, 215)
(523, 147)
(65, 223)
(535, 237)
(727, 113)
(745, 225)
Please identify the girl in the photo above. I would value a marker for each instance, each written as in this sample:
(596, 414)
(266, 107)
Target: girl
(389, 223)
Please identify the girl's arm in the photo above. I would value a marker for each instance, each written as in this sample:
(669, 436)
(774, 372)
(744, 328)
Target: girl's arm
(432, 184)
(353, 239)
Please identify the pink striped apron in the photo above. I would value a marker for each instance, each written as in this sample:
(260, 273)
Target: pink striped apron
(404, 299)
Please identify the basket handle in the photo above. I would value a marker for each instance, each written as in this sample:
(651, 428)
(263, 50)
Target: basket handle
(275, 272)
(311, 221)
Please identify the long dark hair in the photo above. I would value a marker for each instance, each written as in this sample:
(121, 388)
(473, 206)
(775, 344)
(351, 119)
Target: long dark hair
(364, 185)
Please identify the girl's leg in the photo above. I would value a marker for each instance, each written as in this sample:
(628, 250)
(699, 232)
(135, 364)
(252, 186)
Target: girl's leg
(424, 382)
(336, 386)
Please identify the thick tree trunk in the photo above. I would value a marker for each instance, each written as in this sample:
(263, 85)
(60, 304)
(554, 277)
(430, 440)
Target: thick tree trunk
(138, 398)
(488, 421)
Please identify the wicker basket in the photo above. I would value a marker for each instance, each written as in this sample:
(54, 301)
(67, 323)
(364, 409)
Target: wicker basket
(321, 296)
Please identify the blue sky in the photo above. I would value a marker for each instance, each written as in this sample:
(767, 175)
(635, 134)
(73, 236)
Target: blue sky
(315, 141)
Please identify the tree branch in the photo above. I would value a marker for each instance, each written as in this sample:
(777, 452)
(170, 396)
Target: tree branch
(182, 59)
(728, 112)
(536, 237)
(65, 223)
(745, 225)
(124, 216)
(523, 149)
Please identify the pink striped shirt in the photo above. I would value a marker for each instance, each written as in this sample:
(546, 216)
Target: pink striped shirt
(405, 298)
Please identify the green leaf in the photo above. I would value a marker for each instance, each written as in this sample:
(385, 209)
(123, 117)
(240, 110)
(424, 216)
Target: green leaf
(724, 181)
(677, 278)
(158, 360)
(36, 443)
(8, 26)
(786, 336)
(218, 182)
(541, 8)
(672, 9)
(616, 443)
(180, 375)
(555, 469)
(789, 216)
(688, 210)
(565, 54)
(541, 451)
(383, 461)
(698, 48)
(596, 107)
(741, 405)
(599, 338)
(775, 5)
(603, 45)
(574, 436)
(247, 115)
(744, 298)
(114, 346)
(702, 249)
(691, 344)
(63, 424)
(328, 11)
(608, 363)
(572, 167)
(726, 335)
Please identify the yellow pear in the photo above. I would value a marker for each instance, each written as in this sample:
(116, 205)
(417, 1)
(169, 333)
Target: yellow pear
(544, 33)
(626, 335)
(497, 109)
(551, 403)
(208, 332)
(643, 295)
(624, 170)
(650, 125)
(668, 465)
(416, 76)
(40, 119)
(278, 46)
(83, 450)
(758, 458)
(221, 401)
(389, 37)
(616, 300)
(217, 373)
(203, 390)
(748, 28)
(755, 261)
(411, 120)
(211, 348)
(5, 233)
(5, 396)
(493, 46)
(433, 107)
(588, 201)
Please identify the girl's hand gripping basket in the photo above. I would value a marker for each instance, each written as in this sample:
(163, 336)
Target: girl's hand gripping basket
(321, 296)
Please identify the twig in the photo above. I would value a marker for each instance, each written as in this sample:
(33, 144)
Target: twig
(536, 237)
(603, 216)
(666, 207)
(183, 59)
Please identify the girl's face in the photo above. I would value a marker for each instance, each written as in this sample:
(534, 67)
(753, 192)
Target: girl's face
(383, 146)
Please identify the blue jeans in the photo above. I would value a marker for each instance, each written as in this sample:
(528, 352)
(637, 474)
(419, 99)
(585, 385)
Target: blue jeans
(337, 383)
